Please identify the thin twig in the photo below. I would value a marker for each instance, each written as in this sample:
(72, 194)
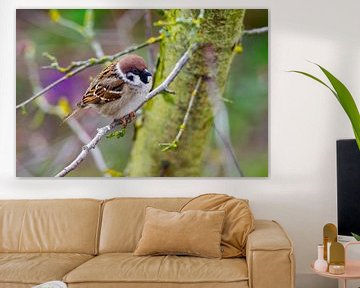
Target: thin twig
(102, 131)
(187, 114)
(89, 33)
(230, 149)
(219, 111)
(85, 138)
(82, 65)
(87, 148)
(44, 105)
(70, 25)
(95, 45)
(238, 47)
(178, 66)
(102, 60)
(256, 31)
(86, 31)
(175, 143)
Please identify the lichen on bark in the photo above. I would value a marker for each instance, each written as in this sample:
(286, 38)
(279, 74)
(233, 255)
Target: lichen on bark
(218, 32)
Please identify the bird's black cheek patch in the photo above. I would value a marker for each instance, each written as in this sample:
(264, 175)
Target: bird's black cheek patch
(131, 78)
(144, 78)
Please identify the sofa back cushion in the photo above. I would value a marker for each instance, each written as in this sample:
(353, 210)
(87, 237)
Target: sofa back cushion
(238, 224)
(66, 226)
(123, 220)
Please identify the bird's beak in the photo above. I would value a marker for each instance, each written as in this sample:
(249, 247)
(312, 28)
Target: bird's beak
(146, 76)
(147, 73)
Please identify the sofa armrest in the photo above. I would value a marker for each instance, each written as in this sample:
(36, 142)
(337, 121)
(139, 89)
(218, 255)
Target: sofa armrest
(269, 256)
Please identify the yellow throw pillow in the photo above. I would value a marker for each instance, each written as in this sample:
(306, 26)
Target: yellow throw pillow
(194, 232)
(239, 220)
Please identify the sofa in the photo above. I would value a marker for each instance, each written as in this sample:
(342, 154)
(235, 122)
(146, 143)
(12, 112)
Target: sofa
(90, 243)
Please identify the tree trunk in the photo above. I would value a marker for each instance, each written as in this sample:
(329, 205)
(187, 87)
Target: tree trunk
(219, 31)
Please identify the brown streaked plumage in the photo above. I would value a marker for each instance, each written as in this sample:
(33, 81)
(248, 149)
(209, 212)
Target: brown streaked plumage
(118, 89)
(104, 88)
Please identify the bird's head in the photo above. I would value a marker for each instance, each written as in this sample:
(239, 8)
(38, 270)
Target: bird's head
(133, 70)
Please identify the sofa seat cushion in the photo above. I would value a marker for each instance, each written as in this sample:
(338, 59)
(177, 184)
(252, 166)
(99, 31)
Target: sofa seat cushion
(127, 268)
(36, 268)
(242, 284)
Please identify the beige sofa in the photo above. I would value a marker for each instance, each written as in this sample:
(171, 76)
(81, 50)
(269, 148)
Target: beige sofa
(89, 243)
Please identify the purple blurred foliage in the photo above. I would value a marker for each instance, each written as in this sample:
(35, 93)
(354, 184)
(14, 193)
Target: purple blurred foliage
(72, 88)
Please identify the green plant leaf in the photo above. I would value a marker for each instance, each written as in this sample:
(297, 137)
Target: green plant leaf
(118, 134)
(168, 97)
(344, 97)
(356, 236)
(316, 79)
(347, 102)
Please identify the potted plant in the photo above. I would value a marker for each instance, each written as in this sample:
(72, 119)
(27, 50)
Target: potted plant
(346, 100)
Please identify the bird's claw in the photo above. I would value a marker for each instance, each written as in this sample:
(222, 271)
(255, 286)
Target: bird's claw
(127, 119)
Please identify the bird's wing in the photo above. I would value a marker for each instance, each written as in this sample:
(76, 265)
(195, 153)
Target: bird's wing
(106, 87)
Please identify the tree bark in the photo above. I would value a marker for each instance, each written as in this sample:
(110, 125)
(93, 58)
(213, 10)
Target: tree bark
(219, 31)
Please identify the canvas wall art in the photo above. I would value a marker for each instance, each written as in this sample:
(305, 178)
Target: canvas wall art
(142, 93)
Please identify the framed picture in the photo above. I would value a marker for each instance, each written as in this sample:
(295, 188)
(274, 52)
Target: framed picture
(142, 93)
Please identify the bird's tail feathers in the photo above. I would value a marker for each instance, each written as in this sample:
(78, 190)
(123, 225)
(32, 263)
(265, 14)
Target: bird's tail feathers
(71, 115)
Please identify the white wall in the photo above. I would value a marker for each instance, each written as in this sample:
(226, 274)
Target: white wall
(305, 121)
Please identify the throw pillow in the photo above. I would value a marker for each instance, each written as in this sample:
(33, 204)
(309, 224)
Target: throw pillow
(196, 233)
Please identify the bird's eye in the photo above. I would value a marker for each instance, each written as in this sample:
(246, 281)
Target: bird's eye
(130, 77)
(136, 71)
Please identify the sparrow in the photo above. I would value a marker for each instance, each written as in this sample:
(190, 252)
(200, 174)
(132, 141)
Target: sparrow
(118, 90)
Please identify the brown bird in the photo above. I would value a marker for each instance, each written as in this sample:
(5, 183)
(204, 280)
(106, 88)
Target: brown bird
(118, 90)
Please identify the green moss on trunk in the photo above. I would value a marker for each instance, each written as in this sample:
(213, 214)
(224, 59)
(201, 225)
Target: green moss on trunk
(219, 30)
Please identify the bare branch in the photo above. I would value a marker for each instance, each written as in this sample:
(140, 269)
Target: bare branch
(102, 131)
(256, 31)
(44, 90)
(175, 143)
(89, 33)
(178, 66)
(85, 138)
(86, 31)
(102, 60)
(66, 22)
(87, 148)
(220, 116)
(78, 66)
(230, 149)
(95, 45)
(238, 47)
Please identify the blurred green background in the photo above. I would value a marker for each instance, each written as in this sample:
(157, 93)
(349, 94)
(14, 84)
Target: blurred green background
(44, 146)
